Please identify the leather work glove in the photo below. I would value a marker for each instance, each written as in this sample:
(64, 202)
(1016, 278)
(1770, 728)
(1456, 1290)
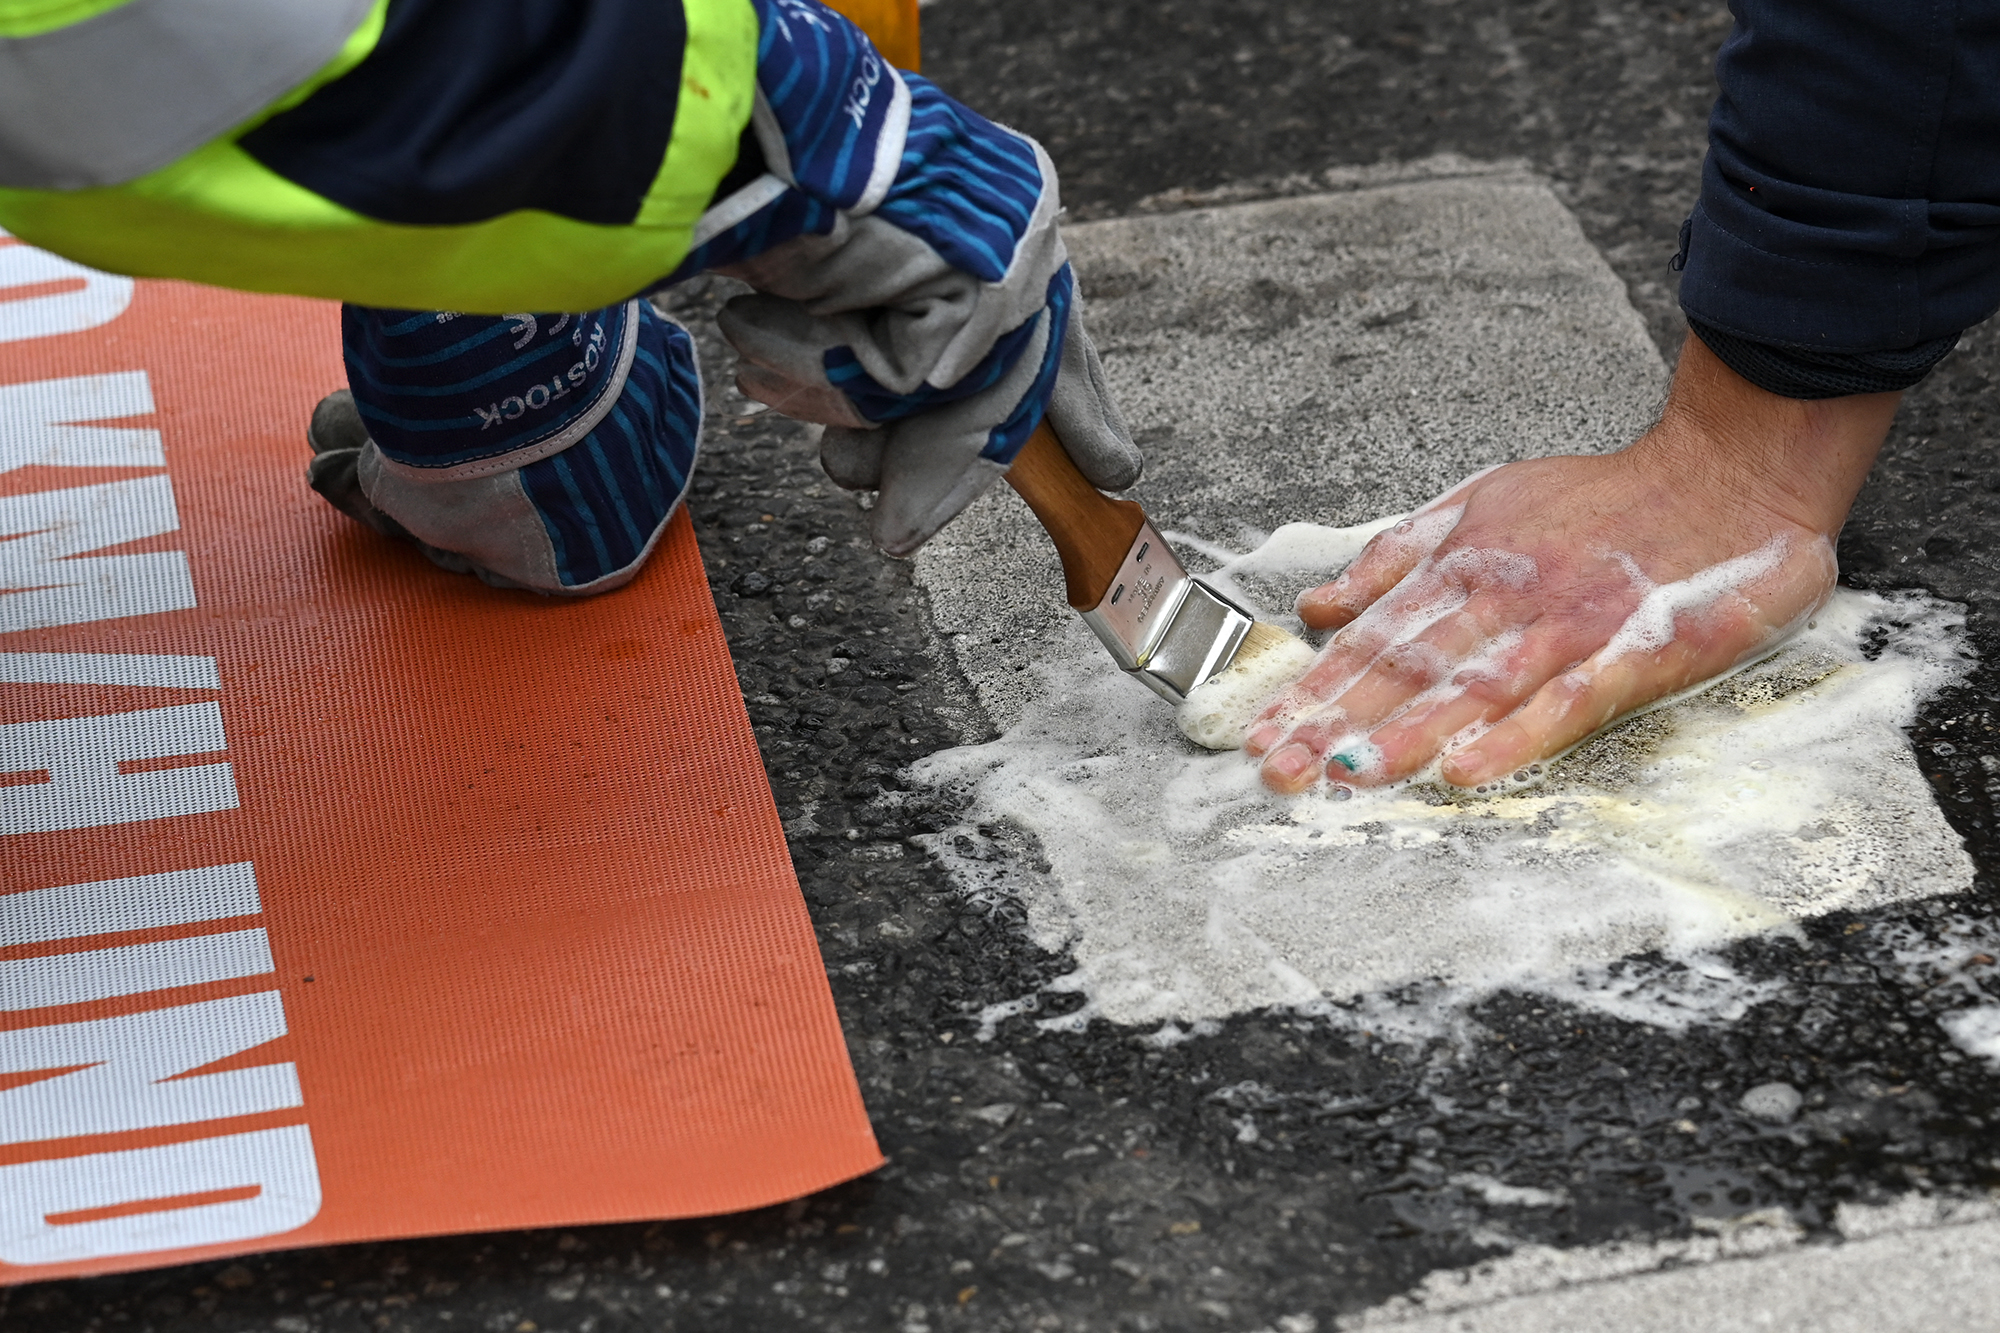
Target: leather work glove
(912, 292)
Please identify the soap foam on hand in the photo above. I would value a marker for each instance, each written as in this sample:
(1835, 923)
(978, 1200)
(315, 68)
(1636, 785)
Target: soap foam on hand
(1184, 890)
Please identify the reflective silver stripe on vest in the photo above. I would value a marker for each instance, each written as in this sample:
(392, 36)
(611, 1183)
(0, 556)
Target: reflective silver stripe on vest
(109, 99)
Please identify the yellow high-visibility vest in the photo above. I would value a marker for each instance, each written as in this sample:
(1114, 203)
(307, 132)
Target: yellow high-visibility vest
(119, 122)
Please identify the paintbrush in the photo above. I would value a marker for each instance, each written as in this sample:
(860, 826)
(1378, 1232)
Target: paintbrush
(1190, 644)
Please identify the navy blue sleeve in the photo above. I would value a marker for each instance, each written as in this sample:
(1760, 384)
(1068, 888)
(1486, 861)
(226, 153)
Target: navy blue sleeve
(467, 109)
(1850, 203)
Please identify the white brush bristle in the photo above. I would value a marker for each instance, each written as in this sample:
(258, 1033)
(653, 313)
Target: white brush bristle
(1217, 715)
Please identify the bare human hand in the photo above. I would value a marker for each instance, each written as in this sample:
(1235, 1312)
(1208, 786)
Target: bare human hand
(1539, 601)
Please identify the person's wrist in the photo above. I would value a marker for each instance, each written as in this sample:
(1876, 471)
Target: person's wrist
(1744, 449)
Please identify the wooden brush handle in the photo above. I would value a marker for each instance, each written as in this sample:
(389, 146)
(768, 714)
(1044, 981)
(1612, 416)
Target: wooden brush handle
(1092, 531)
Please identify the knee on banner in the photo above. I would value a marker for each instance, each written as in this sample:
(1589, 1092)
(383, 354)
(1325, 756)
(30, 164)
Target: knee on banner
(570, 513)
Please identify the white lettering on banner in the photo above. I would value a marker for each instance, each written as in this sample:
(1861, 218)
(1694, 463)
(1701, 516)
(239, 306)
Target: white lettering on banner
(38, 422)
(132, 969)
(101, 298)
(166, 671)
(140, 902)
(132, 1072)
(132, 1061)
(85, 789)
(277, 1164)
(58, 586)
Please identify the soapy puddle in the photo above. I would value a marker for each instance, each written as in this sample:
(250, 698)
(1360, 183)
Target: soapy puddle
(1185, 891)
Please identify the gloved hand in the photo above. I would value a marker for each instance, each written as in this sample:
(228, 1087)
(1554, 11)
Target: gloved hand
(912, 291)
(930, 466)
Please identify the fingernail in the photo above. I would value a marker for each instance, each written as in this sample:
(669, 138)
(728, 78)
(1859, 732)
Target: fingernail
(1290, 762)
(1463, 763)
(1262, 739)
(1327, 595)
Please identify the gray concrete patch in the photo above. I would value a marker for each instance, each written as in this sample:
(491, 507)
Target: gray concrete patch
(1329, 358)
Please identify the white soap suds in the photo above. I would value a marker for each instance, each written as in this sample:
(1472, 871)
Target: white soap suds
(1503, 1195)
(1185, 890)
(1218, 713)
(1976, 1030)
(1509, 569)
(991, 1016)
(1650, 627)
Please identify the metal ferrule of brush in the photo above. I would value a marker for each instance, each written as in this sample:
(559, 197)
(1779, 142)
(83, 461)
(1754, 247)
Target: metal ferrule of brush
(1163, 625)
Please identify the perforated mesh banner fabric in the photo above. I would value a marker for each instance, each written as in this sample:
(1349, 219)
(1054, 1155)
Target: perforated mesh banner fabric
(340, 897)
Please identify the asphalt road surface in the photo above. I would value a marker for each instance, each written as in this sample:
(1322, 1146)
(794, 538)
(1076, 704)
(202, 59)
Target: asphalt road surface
(1550, 1166)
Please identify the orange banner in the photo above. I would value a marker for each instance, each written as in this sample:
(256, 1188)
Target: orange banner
(342, 898)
